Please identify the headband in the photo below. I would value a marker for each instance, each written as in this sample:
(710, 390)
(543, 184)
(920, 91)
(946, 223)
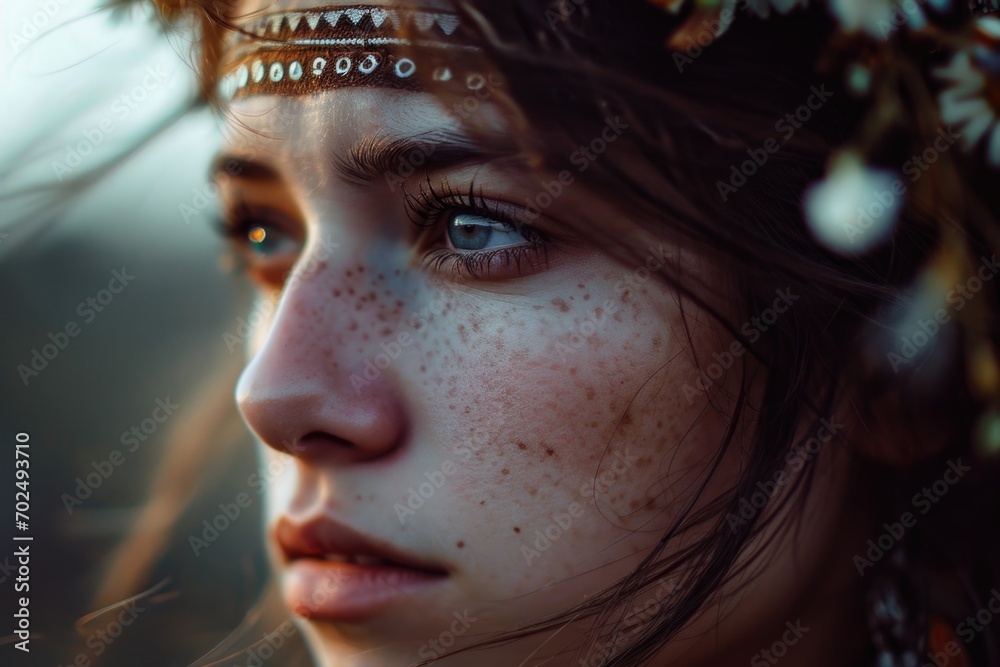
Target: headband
(306, 52)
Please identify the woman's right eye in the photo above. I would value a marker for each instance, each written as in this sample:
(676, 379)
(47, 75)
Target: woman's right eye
(264, 244)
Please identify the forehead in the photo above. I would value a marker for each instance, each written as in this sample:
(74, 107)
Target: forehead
(326, 75)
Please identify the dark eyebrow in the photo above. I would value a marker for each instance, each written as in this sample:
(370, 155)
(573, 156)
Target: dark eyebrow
(393, 158)
(379, 157)
(243, 168)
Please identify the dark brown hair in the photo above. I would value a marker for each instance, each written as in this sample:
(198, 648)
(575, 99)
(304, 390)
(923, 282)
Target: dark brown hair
(567, 66)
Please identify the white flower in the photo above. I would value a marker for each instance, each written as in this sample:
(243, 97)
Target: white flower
(966, 103)
(855, 207)
(879, 18)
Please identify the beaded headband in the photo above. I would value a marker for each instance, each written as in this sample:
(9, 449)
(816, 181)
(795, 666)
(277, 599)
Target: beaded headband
(305, 52)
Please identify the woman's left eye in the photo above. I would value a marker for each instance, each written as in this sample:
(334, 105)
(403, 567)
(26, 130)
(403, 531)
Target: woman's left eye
(471, 232)
(268, 240)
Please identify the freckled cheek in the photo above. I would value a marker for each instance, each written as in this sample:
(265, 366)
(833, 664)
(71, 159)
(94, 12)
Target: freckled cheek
(542, 404)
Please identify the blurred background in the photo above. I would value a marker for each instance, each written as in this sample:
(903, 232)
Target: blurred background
(103, 170)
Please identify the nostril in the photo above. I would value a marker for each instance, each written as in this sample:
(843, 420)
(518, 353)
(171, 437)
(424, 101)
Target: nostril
(318, 445)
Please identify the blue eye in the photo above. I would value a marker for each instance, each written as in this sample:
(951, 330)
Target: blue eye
(468, 231)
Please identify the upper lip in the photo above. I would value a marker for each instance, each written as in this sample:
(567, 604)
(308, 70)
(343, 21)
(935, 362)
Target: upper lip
(322, 536)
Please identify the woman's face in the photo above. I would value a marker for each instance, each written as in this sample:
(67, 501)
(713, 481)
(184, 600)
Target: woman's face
(466, 425)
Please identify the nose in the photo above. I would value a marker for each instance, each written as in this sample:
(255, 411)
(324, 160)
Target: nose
(296, 394)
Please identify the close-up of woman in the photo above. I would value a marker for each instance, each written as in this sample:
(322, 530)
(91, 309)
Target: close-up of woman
(602, 332)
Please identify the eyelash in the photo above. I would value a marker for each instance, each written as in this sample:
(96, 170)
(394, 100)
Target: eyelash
(236, 227)
(430, 208)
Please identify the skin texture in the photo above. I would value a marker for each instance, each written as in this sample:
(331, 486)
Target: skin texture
(496, 385)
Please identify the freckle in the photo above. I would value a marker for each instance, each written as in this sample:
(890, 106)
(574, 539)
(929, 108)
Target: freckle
(482, 502)
(593, 424)
(386, 332)
(549, 452)
(532, 491)
(381, 277)
(350, 273)
(364, 336)
(659, 423)
(360, 497)
(353, 326)
(634, 505)
(598, 312)
(562, 305)
(505, 471)
(336, 292)
(572, 371)
(586, 297)
(581, 285)
(361, 269)
(460, 544)
(657, 341)
(423, 369)
(591, 393)
(350, 291)
(516, 529)
(521, 445)
(618, 317)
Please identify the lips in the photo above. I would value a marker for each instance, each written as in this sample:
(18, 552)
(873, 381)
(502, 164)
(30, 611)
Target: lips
(334, 572)
(323, 538)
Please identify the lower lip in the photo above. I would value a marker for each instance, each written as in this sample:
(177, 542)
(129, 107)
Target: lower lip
(330, 590)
